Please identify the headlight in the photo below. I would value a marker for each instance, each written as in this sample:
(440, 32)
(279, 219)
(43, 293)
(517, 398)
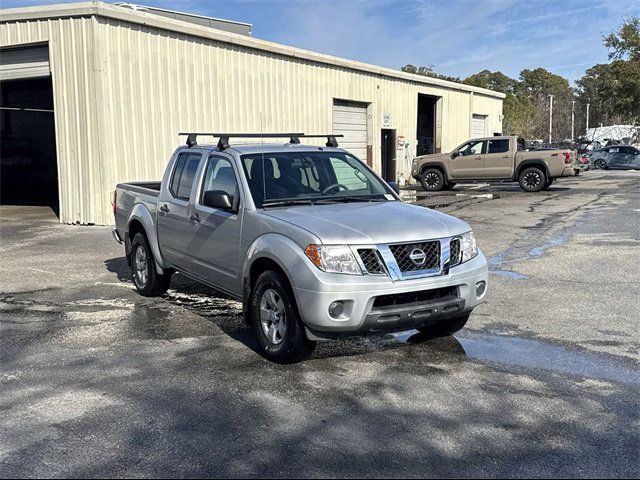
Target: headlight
(333, 259)
(468, 246)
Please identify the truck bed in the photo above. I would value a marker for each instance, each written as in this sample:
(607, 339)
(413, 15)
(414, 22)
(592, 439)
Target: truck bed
(134, 195)
(147, 188)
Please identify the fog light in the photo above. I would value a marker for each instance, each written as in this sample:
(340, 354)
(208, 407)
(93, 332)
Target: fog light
(480, 288)
(336, 309)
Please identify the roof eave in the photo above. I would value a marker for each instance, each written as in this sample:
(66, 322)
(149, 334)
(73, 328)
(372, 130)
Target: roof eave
(120, 13)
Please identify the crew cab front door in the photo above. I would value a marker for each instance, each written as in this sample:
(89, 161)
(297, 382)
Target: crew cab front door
(215, 243)
(174, 210)
(469, 160)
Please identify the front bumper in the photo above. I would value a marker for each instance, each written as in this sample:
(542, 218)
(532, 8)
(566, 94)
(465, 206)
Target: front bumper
(361, 316)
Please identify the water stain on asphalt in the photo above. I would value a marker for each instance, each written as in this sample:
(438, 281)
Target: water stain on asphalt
(536, 355)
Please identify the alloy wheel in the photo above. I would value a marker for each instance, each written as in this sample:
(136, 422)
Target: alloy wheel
(532, 179)
(272, 316)
(142, 269)
(432, 179)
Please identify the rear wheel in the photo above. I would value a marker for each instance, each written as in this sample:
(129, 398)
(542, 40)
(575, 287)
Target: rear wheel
(148, 281)
(276, 322)
(532, 179)
(445, 328)
(432, 180)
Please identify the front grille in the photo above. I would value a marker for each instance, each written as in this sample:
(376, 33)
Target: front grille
(370, 260)
(403, 253)
(454, 254)
(400, 299)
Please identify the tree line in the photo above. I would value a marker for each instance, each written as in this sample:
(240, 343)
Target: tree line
(612, 91)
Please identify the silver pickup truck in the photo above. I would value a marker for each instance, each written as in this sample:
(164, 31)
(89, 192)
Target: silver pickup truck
(309, 238)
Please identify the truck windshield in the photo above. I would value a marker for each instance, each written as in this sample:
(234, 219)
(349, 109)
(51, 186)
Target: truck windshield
(310, 177)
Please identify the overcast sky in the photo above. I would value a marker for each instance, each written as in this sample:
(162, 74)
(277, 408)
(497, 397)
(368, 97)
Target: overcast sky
(459, 37)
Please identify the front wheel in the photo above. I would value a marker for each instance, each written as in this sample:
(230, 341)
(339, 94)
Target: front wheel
(445, 328)
(600, 164)
(276, 322)
(432, 180)
(532, 179)
(148, 281)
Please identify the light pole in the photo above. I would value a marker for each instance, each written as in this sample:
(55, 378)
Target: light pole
(587, 132)
(573, 104)
(550, 116)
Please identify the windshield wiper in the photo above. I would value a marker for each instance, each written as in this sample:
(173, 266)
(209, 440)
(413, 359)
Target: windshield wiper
(353, 198)
(287, 202)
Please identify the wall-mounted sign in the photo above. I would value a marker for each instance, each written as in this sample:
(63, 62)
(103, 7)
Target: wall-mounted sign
(386, 120)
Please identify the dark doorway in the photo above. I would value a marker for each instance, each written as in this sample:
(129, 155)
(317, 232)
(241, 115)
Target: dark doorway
(388, 147)
(28, 167)
(426, 133)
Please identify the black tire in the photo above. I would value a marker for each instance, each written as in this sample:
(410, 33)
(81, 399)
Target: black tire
(600, 163)
(532, 179)
(445, 328)
(153, 284)
(293, 345)
(432, 180)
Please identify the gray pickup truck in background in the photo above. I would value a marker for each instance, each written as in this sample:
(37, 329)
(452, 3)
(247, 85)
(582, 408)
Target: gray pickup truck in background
(309, 238)
(493, 159)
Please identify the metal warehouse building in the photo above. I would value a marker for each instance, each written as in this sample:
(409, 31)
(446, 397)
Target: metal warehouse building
(94, 94)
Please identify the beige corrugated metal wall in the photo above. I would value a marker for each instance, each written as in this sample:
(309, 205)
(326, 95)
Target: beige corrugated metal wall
(123, 91)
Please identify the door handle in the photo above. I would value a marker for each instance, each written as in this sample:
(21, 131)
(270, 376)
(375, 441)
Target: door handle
(505, 156)
(195, 218)
(164, 209)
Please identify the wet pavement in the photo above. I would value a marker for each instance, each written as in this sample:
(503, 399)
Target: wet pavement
(97, 381)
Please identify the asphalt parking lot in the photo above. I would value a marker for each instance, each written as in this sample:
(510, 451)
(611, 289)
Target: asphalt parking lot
(97, 381)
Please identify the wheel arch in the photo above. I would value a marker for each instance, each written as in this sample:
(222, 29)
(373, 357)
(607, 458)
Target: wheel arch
(141, 221)
(532, 163)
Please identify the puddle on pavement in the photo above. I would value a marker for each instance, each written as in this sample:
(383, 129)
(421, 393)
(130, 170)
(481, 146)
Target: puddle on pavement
(554, 242)
(497, 262)
(536, 355)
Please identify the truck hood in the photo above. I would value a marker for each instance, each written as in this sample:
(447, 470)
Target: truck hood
(370, 223)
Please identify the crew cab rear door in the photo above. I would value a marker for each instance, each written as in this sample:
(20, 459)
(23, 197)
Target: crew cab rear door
(499, 159)
(174, 210)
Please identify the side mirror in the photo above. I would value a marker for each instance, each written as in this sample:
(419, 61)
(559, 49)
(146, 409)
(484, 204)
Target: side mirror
(454, 155)
(217, 199)
(394, 186)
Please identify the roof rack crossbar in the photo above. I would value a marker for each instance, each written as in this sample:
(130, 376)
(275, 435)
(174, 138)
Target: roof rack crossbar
(331, 139)
(223, 142)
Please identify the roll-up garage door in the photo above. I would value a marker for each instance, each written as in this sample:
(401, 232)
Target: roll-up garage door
(478, 126)
(350, 120)
(24, 62)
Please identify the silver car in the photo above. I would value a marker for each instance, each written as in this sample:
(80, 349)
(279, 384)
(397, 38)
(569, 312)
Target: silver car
(309, 238)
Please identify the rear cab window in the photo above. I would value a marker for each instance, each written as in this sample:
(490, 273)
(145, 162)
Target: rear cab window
(498, 146)
(183, 175)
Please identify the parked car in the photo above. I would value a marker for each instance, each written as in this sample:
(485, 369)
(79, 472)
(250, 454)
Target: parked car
(625, 162)
(620, 153)
(490, 159)
(309, 238)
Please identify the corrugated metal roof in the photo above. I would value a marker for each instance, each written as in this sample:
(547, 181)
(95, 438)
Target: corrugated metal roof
(142, 18)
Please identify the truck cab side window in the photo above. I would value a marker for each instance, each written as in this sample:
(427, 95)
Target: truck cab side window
(498, 146)
(221, 177)
(472, 148)
(182, 178)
